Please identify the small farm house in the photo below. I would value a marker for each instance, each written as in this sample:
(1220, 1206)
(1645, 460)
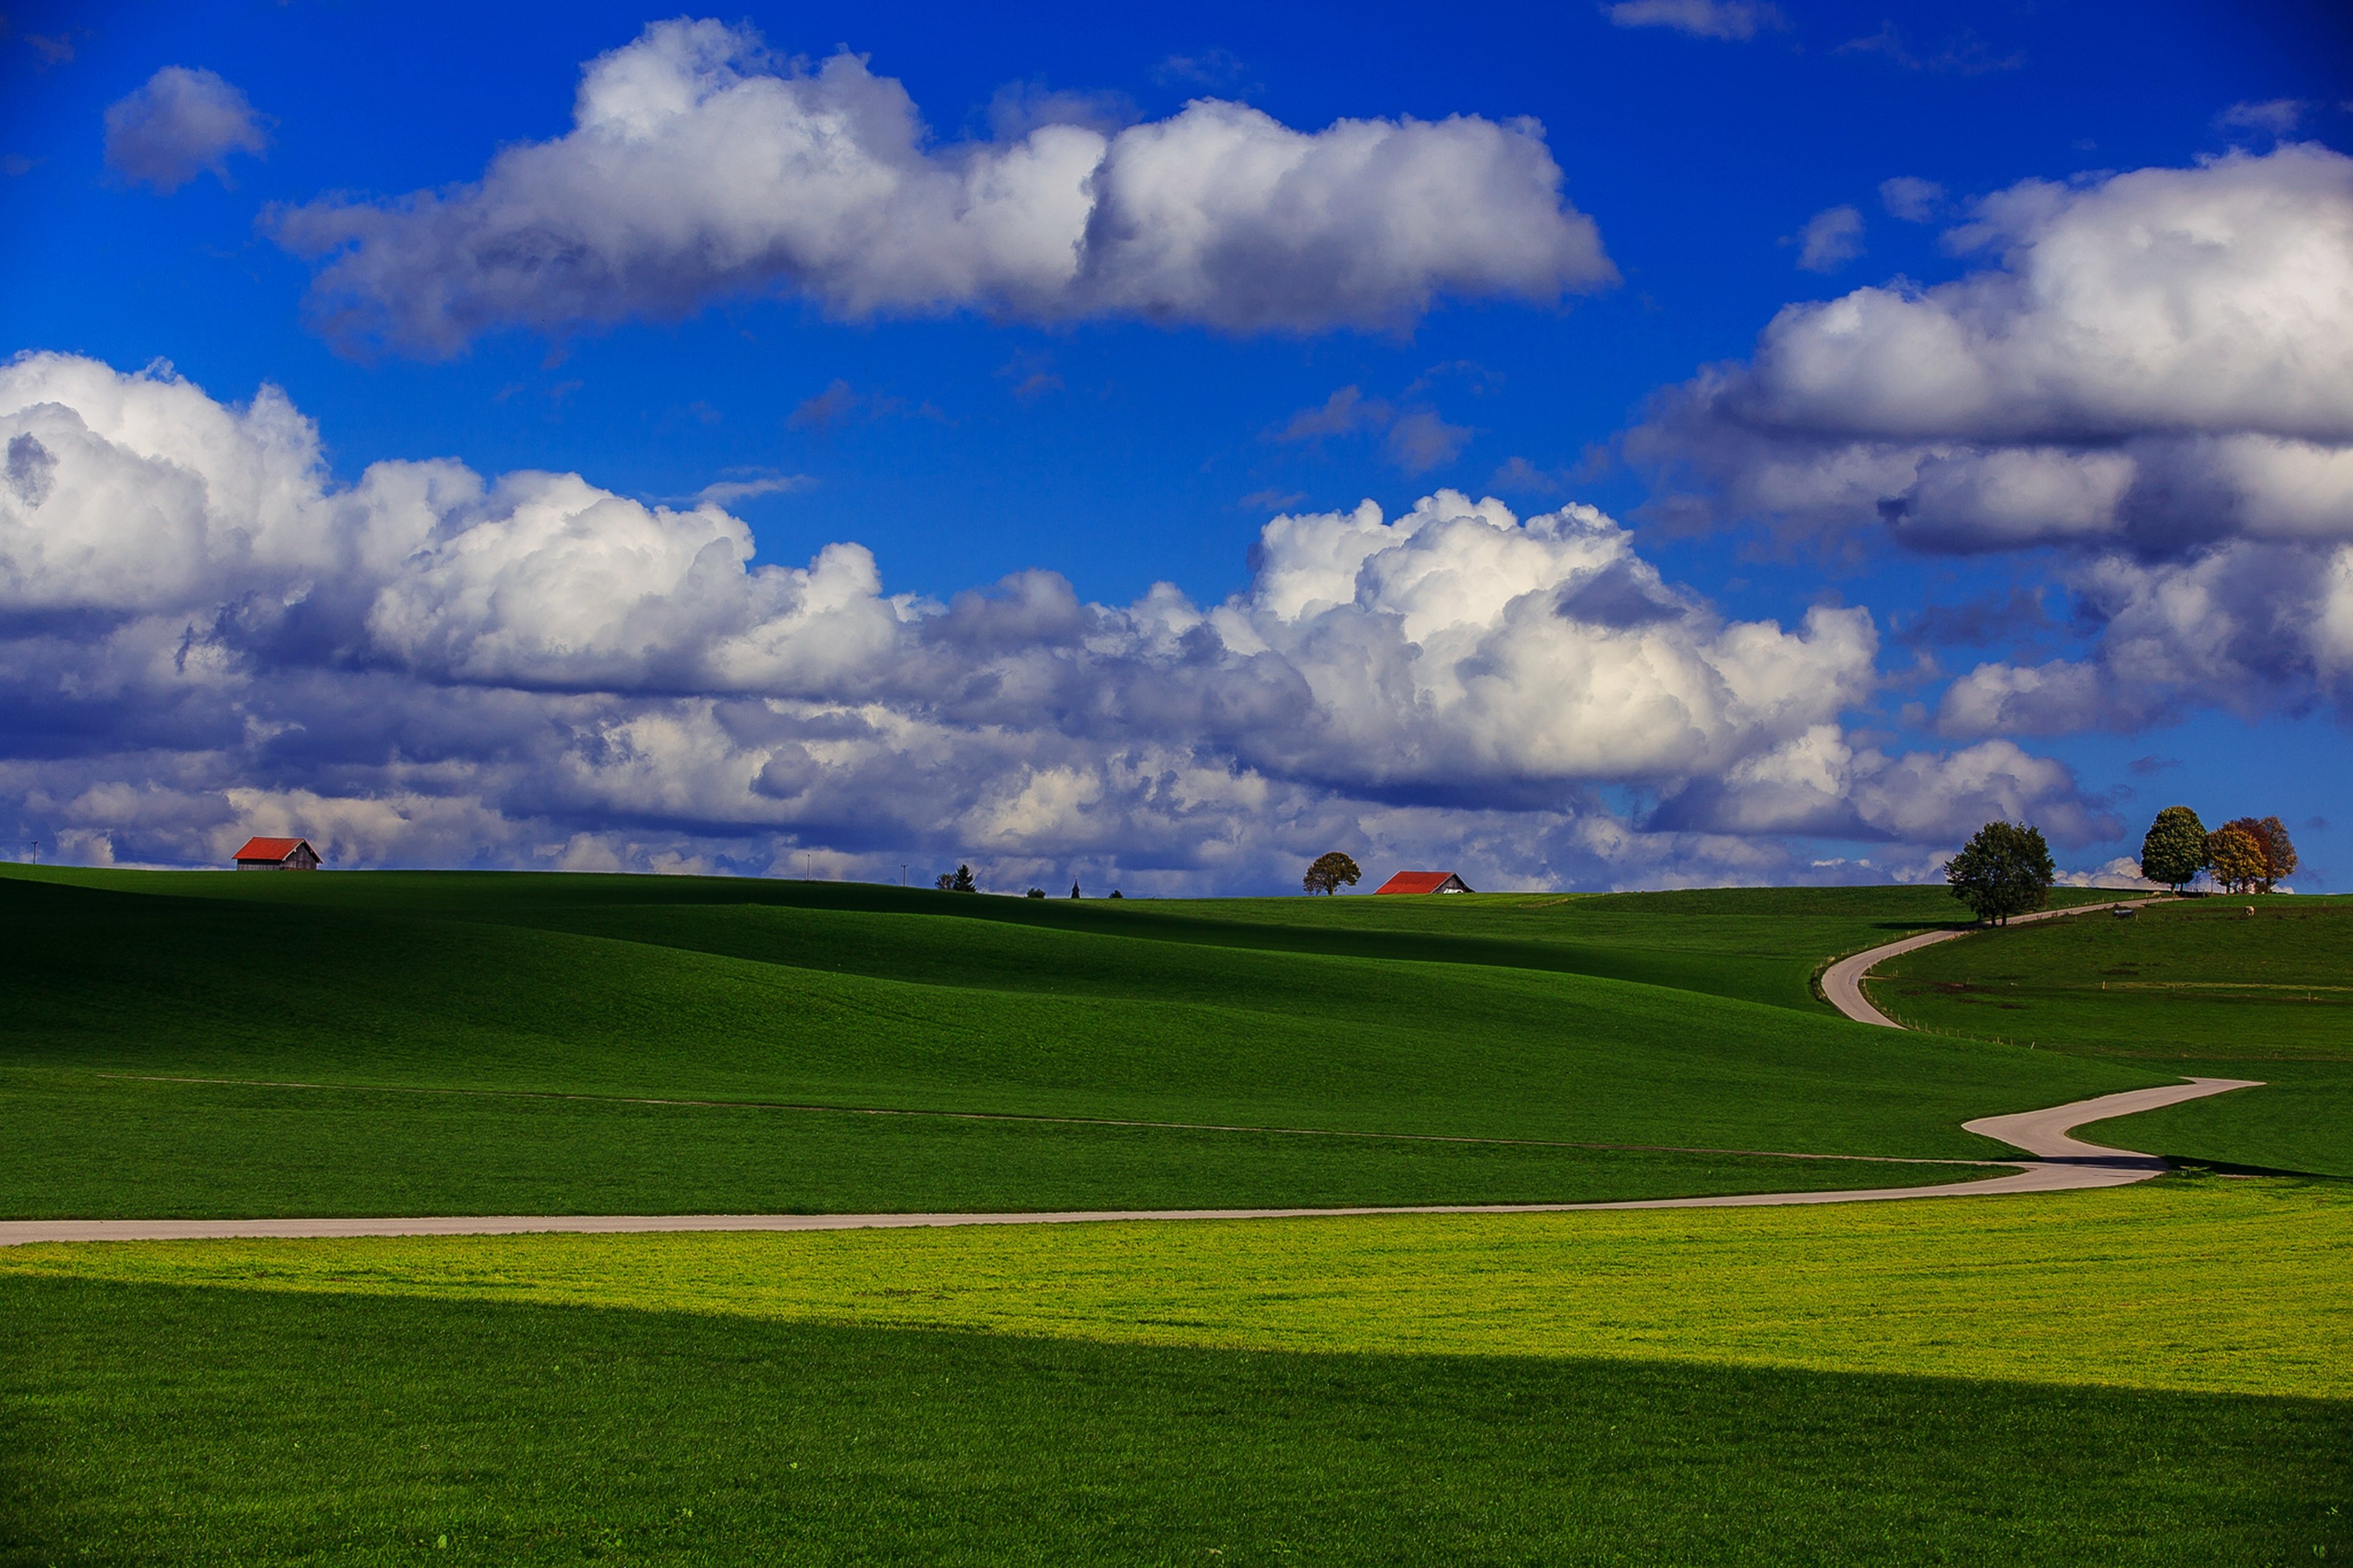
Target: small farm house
(1424, 882)
(277, 854)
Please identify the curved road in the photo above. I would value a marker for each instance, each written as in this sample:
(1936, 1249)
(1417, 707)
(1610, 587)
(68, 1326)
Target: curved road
(1842, 981)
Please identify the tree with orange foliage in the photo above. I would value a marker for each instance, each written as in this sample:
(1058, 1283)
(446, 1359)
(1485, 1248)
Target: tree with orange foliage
(2270, 835)
(2235, 857)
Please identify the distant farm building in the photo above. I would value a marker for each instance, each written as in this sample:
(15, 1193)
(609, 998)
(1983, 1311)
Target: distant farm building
(277, 854)
(1424, 882)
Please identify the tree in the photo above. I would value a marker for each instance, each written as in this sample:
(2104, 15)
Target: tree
(2270, 839)
(1074, 889)
(1115, 893)
(961, 882)
(2004, 871)
(2236, 856)
(1330, 872)
(945, 881)
(2174, 850)
(1036, 892)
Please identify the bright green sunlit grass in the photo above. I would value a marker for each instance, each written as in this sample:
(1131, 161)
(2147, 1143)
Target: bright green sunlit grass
(2214, 1285)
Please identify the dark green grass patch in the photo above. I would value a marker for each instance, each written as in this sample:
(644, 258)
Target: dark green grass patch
(1760, 944)
(2199, 988)
(84, 1146)
(173, 1426)
(2300, 1120)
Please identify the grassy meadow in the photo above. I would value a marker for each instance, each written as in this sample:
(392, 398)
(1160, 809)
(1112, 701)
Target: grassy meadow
(2152, 1375)
(2155, 1374)
(2200, 987)
(483, 1044)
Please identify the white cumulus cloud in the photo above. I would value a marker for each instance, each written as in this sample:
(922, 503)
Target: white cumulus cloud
(2151, 372)
(202, 634)
(700, 166)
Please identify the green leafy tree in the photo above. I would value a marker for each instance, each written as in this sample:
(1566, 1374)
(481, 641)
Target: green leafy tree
(1329, 873)
(1036, 892)
(945, 881)
(2271, 837)
(962, 881)
(2002, 871)
(2174, 849)
(2236, 857)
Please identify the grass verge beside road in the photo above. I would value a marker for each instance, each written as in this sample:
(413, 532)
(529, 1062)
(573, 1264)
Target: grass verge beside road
(2211, 1285)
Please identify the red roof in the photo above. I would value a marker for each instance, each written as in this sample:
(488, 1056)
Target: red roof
(268, 848)
(1416, 882)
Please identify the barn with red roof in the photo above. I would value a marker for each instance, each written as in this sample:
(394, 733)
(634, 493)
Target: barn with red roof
(1424, 882)
(277, 854)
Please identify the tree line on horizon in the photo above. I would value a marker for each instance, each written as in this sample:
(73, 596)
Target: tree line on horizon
(2005, 869)
(2245, 854)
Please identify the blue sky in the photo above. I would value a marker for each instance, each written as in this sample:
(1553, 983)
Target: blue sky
(1732, 162)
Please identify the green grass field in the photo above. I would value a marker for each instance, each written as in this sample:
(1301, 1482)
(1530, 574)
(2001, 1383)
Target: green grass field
(2198, 987)
(516, 990)
(2156, 1374)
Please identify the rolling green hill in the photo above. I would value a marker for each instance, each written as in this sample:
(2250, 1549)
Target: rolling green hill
(380, 1041)
(2200, 987)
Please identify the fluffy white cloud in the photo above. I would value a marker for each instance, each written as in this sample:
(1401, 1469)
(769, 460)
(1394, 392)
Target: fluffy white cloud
(201, 634)
(1820, 784)
(2154, 374)
(2156, 360)
(181, 123)
(2249, 626)
(700, 166)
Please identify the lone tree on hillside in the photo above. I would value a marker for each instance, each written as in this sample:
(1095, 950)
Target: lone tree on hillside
(2236, 857)
(2174, 851)
(1329, 872)
(962, 881)
(2271, 837)
(2004, 871)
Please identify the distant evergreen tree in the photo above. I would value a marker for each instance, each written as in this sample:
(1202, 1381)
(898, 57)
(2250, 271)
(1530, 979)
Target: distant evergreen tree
(1115, 893)
(963, 882)
(2174, 850)
(2002, 871)
(1074, 889)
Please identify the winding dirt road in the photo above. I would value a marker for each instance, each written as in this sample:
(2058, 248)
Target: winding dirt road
(1842, 981)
